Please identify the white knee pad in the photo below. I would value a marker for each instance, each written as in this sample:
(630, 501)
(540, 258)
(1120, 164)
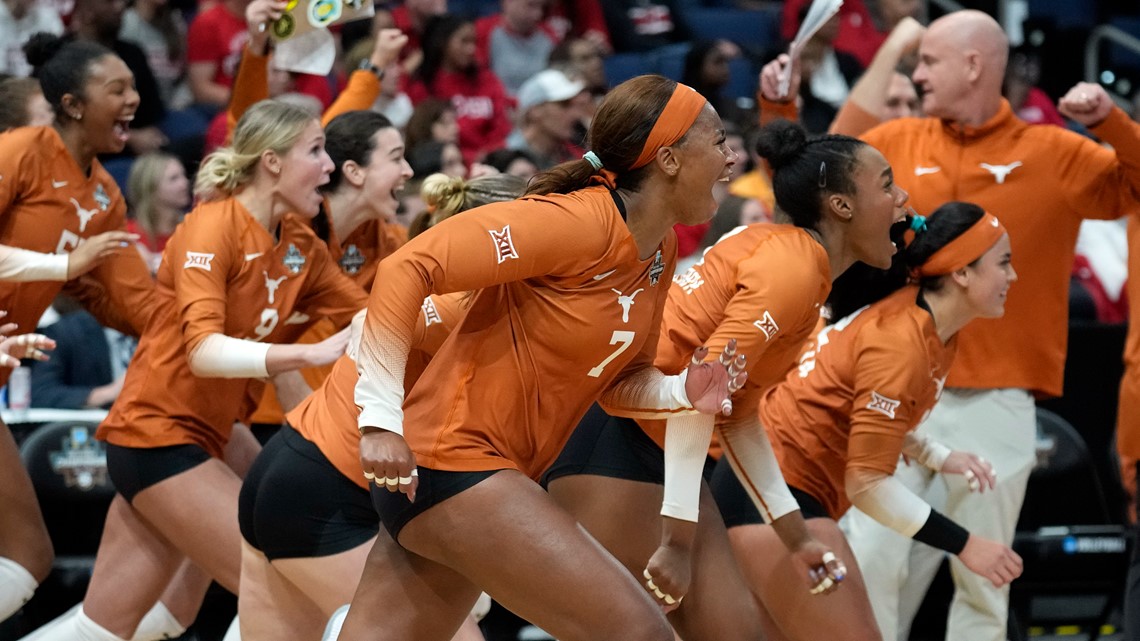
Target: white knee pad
(17, 586)
(158, 624)
(233, 633)
(332, 630)
(87, 630)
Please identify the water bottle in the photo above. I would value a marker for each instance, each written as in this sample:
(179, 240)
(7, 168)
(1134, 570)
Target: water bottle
(20, 391)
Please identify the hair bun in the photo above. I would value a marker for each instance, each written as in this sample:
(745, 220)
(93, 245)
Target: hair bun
(41, 48)
(780, 142)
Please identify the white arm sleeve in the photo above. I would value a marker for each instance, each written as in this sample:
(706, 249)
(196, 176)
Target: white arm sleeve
(355, 331)
(885, 499)
(21, 265)
(925, 450)
(686, 448)
(648, 393)
(750, 454)
(221, 356)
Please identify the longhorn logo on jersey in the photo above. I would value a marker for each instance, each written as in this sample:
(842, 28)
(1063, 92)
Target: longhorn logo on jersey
(1000, 172)
(626, 302)
(198, 260)
(504, 246)
(768, 325)
(882, 404)
(85, 215)
(272, 284)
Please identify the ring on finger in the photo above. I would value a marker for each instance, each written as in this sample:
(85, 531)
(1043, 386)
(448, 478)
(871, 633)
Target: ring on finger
(369, 475)
(391, 482)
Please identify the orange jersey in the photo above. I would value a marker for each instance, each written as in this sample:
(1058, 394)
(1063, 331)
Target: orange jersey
(48, 204)
(861, 385)
(1041, 182)
(1128, 414)
(565, 308)
(327, 417)
(357, 257)
(221, 272)
(762, 285)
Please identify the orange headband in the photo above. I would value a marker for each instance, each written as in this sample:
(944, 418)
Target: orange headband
(964, 249)
(678, 115)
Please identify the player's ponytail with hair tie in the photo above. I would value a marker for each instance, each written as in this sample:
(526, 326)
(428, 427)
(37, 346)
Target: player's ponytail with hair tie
(593, 159)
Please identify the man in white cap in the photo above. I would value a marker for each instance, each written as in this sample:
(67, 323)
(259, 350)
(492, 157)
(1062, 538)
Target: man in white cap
(549, 104)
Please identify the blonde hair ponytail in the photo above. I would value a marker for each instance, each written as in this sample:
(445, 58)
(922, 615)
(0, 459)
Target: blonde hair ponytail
(446, 196)
(269, 125)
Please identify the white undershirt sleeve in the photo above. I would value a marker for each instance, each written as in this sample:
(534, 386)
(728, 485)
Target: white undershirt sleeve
(221, 356)
(885, 499)
(750, 454)
(686, 448)
(21, 265)
(648, 393)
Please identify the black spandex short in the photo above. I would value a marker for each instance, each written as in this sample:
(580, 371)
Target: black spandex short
(294, 503)
(435, 487)
(737, 508)
(613, 446)
(134, 469)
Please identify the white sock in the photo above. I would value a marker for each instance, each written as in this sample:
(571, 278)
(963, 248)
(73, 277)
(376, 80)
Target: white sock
(158, 624)
(42, 633)
(17, 586)
(336, 621)
(87, 630)
(233, 633)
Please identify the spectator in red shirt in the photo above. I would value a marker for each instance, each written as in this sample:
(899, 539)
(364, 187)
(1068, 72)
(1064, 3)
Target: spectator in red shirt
(412, 17)
(451, 72)
(579, 19)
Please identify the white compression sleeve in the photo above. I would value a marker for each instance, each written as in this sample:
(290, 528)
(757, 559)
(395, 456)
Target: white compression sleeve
(158, 624)
(750, 454)
(885, 499)
(17, 586)
(221, 356)
(927, 451)
(686, 447)
(21, 265)
(648, 393)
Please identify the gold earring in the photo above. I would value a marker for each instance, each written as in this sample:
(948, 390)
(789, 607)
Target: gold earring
(78, 116)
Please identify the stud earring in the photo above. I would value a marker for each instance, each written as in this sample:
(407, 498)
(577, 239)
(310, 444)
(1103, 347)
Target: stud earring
(78, 116)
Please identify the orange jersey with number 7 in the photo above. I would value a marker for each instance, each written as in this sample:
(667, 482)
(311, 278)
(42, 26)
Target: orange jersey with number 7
(565, 307)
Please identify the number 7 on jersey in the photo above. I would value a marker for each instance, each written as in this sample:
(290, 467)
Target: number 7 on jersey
(621, 338)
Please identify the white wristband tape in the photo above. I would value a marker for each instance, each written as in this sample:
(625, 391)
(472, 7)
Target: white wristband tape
(686, 447)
